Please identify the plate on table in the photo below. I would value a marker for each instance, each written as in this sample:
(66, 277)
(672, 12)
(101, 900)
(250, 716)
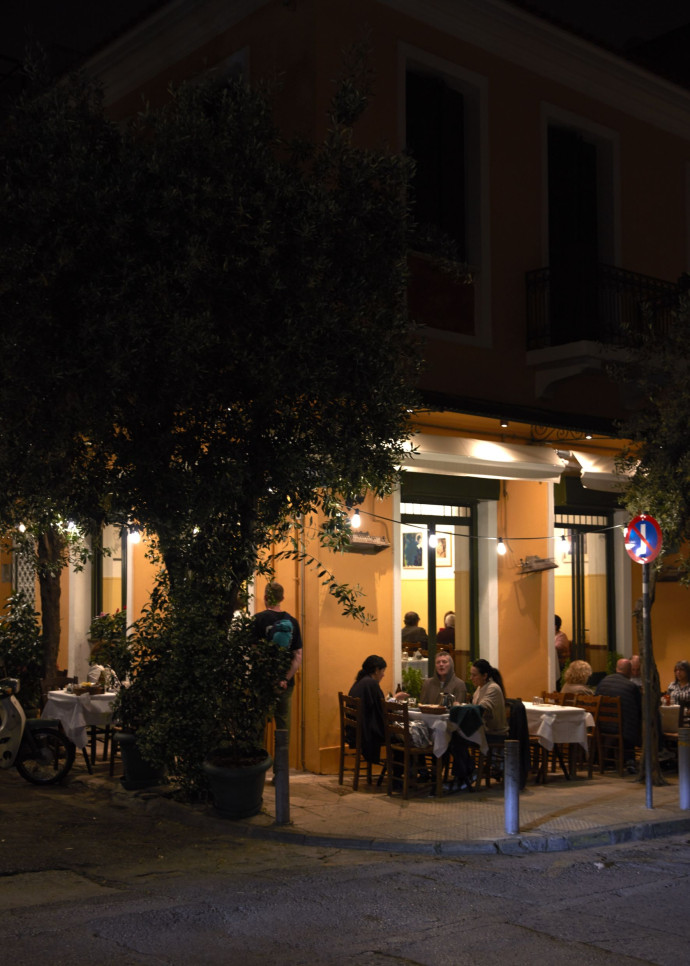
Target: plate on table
(432, 708)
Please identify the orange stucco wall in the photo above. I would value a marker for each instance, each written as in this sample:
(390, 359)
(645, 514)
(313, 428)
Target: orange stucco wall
(523, 600)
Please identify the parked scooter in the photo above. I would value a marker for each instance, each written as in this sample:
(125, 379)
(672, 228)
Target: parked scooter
(38, 749)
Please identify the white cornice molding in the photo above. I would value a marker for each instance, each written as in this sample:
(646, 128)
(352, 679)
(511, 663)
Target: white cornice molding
(506, 31)
(170, 34)
(511, 33)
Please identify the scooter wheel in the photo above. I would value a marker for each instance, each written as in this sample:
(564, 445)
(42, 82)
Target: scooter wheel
(45, 757)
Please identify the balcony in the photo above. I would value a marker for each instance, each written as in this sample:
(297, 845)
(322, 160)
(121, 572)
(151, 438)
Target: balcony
(594, 304)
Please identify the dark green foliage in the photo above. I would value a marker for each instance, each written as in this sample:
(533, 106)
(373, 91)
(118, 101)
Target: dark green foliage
(109, 645)
(21, 649)
(205, 333)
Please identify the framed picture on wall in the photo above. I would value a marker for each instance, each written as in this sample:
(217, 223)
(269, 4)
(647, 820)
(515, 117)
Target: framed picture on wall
(444, 550)
(413, 548)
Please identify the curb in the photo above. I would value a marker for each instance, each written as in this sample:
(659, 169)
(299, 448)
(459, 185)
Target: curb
(519, 844)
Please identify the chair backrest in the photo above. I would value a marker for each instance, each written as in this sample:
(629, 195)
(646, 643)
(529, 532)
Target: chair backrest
(590, 702)
(555, 696)
(568, 699)
(396, 718)
(350, 721)
(609, 719)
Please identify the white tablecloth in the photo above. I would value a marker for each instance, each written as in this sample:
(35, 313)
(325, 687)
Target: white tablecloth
(78, 712)
(442, 728)
(556, 725)
(421, 665)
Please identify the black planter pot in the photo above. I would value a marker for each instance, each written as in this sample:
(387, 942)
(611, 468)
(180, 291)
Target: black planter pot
(237, 791)
(139, 773)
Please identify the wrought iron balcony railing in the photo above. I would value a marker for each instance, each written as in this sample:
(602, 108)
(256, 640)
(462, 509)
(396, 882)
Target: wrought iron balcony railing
(598, 303)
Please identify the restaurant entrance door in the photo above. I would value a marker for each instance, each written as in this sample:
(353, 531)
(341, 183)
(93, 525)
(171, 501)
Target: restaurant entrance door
(439, 577)
(583, 593)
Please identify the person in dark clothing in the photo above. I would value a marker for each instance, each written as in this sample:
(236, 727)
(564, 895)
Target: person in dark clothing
(367, 688)
(273, 602)
(412, 633)
(619, 685)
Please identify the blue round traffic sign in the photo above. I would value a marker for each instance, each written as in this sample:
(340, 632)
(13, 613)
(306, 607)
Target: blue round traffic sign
(643, 539)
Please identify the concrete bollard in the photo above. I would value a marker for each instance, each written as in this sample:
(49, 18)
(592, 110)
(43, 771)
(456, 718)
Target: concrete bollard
(684, 767)
(511, 786)
(281, 774)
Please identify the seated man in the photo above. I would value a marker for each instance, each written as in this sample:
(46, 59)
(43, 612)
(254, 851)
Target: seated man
(443, 681)
(619, 685)
(413, 635)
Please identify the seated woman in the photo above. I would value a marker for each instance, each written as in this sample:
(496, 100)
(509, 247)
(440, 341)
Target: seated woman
(680, 686)
(679, 689)
(577, 675)
(367, 688)
(489, 694)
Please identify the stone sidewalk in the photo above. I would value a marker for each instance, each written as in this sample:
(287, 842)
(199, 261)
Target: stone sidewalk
(557, 816)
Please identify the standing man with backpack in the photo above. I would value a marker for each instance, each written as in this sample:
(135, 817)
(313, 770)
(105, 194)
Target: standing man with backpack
(271, 624)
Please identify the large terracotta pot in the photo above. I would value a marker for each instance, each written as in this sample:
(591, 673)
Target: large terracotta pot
(237, 791)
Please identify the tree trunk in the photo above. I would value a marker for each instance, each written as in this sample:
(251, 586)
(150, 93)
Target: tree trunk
(657, 777)
(50, 563)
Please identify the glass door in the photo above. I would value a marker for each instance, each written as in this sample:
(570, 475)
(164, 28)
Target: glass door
(438, 579)
(583, 585)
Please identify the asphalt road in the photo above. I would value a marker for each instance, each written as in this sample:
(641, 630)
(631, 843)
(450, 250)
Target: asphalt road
(87, 880)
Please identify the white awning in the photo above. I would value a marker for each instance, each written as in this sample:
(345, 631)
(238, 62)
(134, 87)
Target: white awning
(599, 472)
(460, 456)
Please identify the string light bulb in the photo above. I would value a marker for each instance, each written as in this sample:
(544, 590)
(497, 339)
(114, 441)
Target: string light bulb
(134, 536)
(356, 521)
(500, 547)
(433, 540)
(565, 544)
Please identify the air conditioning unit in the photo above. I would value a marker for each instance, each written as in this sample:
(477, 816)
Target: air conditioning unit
(534, 565)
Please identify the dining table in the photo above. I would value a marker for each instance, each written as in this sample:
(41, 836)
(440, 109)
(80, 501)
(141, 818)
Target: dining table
(465, 719)
(419, 664)
(77, 713)
(555, 724)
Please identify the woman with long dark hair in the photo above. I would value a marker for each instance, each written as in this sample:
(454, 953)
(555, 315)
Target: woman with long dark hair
(367, 688)
(489, 694)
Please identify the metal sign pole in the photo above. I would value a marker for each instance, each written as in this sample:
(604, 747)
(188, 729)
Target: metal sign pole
(647, 664)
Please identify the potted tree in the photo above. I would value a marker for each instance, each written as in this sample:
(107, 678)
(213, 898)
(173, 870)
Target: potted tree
(250, 672)
(137, 665)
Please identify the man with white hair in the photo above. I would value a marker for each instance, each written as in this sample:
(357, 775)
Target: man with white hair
(443, 681)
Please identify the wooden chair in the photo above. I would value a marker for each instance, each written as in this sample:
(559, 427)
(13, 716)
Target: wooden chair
(404, 759)
(556, 697)
(496, 745)
(610, 742)
(591, 703)
(351, 739)
(569, 699)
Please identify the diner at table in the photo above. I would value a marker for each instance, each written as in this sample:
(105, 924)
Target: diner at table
(679, 688)
(489, 694)
(575, 679)
(443, 681)
(367, 687)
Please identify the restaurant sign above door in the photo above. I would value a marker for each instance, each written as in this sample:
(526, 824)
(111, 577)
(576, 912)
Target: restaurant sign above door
(643, 539)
